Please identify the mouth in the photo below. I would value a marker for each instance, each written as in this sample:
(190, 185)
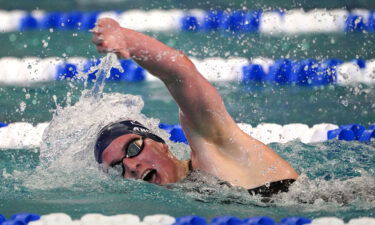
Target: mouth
(149, 175)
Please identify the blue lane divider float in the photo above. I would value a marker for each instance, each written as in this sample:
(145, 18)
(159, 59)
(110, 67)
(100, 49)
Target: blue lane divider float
(3, 124)
(190, 220)
(224, 220)
(244, 21)
(230, 20)
(130, 71)
(356, 23)
(75, 20)
(19, 219)
(231, 220)
(176, 132)
(259, 220)
(306, 72)
(352, 132)
(294, 221)
(2, 219)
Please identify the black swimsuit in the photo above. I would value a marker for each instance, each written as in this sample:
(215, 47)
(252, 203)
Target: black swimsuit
(265, 191)
(272, 188)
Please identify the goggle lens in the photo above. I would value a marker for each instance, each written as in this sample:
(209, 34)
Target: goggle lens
(134, 149)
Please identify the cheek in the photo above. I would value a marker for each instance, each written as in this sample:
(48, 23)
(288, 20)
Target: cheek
(163, 163)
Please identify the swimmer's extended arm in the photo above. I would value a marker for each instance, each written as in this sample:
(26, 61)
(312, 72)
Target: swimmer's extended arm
(198, 100)
(218, 145)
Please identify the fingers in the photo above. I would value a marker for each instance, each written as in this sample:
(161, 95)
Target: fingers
(104, 24)
(105, 39)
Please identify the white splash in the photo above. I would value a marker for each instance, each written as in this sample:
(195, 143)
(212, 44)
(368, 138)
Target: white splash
(68, 141)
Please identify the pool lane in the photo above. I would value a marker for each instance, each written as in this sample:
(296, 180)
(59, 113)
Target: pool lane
(344, 46)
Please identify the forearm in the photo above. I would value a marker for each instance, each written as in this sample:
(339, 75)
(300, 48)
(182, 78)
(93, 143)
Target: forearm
(167, 63)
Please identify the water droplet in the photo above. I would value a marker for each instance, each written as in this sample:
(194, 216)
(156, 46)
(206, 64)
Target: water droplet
(12, 37)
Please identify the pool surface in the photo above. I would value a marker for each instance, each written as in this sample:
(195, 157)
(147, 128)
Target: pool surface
(337, 178)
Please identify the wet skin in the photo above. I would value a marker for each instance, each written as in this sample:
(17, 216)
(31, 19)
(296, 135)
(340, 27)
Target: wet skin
(154, 164)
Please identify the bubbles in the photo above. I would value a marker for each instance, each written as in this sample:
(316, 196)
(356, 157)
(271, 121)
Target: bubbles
(22, 106)
(12, 37)
(326, 195)
(345, 102)
(44, 44)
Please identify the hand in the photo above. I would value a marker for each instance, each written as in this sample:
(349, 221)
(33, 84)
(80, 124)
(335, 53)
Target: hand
(109, 36)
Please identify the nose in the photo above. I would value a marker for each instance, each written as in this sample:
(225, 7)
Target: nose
(132, 167)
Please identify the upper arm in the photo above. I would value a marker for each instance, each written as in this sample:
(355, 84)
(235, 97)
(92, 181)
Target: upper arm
(199, 102)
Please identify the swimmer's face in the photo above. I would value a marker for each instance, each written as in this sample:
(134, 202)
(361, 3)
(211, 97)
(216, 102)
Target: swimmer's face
(154, 164)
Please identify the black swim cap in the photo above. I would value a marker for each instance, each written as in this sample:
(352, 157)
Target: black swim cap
(117, 129)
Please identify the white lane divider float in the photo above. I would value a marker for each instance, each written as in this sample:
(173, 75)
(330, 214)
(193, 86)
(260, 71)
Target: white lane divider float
(99, 219)
(283, 71)
(327, 221)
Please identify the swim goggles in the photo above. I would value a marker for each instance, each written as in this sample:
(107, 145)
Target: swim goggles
(133, 149)
(114, 130)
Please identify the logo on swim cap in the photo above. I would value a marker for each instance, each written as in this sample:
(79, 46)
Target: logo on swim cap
(117, 129)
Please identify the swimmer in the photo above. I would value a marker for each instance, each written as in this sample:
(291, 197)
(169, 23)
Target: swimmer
(218, 146)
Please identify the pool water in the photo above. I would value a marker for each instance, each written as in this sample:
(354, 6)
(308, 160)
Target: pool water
(65, 43)
(247, 103)
(338, 180)
(337, 177)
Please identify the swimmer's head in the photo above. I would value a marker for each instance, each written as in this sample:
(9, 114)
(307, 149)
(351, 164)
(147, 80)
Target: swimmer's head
(137, 153)
(117, 129)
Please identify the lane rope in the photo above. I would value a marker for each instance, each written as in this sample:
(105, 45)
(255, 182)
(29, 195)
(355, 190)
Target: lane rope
(22, 135)
(268, 22)
(162, 219)
(307, 72)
